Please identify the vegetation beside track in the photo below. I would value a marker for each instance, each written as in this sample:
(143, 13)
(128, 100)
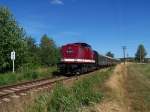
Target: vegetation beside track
(26, 75)
(13, 37)
(137, 85)
(70, 99)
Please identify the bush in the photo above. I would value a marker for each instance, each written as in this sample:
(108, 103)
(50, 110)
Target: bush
(62, 100)
(2, 80)
(40, 104)
(29, 75)
(26, 74)
(85, 93)
(7, 78)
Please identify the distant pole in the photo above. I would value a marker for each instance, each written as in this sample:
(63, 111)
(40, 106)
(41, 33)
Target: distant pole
(124, 53)
(127, 57)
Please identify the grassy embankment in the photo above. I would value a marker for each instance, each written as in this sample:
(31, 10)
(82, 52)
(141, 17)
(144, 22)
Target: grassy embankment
(26, 75)
(71, 99)
(137, 85)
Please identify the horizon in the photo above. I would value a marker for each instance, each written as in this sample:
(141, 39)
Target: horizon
(106, 25)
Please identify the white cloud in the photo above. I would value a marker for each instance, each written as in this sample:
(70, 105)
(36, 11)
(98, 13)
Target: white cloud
(57, 2)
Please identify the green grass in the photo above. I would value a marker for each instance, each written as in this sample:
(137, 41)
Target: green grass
(138, 87)
(144, 69)
(63, 99)
(25, 75)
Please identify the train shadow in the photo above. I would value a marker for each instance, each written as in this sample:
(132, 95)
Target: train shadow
(58, 74)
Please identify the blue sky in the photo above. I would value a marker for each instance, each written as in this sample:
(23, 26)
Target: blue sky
(105, 24)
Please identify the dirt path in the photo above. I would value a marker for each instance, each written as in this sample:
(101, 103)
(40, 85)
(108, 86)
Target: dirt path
(116, 101)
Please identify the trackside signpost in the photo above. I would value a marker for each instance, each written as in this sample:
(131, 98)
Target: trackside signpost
(13, 59)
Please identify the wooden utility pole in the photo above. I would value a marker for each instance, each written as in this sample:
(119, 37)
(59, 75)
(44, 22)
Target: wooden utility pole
(124, 53)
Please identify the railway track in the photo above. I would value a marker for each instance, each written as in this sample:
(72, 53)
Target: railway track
(22, 88)
(17, 89)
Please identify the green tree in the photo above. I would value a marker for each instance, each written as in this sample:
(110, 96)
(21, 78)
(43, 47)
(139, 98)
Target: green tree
(110, 54)
(11, 38)
(49, 52)
(33, 51)
(141, 53)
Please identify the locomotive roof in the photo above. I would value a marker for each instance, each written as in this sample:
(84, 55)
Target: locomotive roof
(83, 44)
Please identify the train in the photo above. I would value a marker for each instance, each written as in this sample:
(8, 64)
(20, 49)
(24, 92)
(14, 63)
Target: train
(77, 58)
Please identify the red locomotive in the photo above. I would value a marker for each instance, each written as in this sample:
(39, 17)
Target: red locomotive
(80, 58)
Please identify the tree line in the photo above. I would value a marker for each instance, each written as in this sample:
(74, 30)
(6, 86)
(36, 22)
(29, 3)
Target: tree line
(14, 37)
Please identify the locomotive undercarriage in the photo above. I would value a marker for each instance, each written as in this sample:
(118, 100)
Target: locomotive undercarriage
(73, 68)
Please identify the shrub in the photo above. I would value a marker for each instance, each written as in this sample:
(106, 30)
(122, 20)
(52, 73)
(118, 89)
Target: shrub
(29, 75)
(62, 100)
(7, 78)
(85, 93)
(40, 105)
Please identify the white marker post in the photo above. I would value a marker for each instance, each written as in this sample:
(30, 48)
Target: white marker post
(13, 59)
